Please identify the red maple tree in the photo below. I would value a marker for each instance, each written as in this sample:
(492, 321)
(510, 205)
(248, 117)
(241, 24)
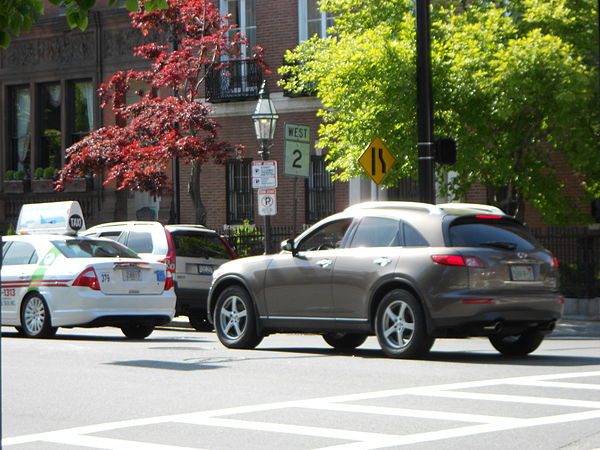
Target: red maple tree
(158, 128)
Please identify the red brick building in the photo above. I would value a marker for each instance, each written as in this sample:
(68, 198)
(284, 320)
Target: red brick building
(48, 79)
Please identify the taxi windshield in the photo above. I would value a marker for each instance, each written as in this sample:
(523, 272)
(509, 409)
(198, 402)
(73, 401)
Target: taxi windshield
(91, 248)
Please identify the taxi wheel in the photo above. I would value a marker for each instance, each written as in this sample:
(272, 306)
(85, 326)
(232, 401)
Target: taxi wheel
(235, 319)
(35, 318)
(519, 344)
(345, 341)
(137, 330)
(400, 326)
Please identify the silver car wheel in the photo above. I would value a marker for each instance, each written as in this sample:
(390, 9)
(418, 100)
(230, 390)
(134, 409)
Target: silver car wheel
(233, 316)
(398, 324)
(34, 315)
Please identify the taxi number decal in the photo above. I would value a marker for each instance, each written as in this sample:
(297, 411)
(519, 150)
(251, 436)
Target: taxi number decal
(9, 292)
(105, 277)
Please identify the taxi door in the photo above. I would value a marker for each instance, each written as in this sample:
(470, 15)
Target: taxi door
(19, 261)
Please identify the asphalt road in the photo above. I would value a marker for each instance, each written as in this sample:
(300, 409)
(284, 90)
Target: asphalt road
(182, 389)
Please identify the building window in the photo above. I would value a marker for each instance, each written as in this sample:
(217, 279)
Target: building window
(320, 194)
(50, 125)
(82, 119)
(243, 15)
(311, 20)
(240, 205)
(19, 156)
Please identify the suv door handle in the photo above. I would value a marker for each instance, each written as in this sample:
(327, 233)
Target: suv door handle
(382, 261)
(324, 263)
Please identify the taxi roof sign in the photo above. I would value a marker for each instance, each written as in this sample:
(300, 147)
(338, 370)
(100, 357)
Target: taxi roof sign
(51, 218)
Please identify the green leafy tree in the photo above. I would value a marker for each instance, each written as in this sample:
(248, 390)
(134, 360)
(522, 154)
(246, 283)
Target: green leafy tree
(515, 83)
(18, 16)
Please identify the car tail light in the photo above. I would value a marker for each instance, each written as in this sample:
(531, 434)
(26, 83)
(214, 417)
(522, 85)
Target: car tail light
(457, 260)
(555, 262)
(169, 260)
(169, 284)
(88, 278)
(488, 216)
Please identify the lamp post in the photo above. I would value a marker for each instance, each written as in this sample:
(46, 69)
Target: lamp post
(265, 118)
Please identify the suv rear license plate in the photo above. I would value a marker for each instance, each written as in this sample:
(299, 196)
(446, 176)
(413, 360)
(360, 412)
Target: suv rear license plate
(521, 273)
(132, 275)
(203, 269)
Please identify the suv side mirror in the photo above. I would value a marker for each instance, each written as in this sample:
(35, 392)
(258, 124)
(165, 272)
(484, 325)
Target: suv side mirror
(288, 246)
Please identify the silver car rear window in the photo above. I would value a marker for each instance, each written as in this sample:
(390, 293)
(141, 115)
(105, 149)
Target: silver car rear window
(91, 248)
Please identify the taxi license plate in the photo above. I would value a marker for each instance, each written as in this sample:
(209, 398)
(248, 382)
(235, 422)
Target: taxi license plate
(522, 273)
(132, 275)
(203, 269)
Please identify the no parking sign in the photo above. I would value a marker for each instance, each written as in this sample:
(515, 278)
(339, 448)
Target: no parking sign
(267, 202)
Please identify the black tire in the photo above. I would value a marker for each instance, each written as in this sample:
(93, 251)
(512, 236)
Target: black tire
(235, 319)
(519, 344)
(35, 318)
(345, 341)
(199, 322)
(400, 326)
(137, 330)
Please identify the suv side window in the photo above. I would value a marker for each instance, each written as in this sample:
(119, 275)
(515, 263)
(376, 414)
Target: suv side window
(140, 241)
(412, 238)
(20, 253)
(326, 237)
(377, 232)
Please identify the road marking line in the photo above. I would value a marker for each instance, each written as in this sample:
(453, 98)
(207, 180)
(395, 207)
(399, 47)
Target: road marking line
(556, 384)
(365, 440)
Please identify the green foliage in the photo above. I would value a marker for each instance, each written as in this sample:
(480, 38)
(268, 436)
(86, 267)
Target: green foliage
(11, 230)
(247, 240)
(38, 173)
(20, 175)
(516, 87)
(50, 173)
(9, 175)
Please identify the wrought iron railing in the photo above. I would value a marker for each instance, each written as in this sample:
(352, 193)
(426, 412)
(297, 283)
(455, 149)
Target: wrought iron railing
(236, 80)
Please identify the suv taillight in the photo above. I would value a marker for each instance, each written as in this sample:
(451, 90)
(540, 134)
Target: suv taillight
(88, 278)
(169, 259)
(457, 260)
(169, 284)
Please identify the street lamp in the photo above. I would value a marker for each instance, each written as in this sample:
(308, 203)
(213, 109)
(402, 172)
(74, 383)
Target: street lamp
(265, 118)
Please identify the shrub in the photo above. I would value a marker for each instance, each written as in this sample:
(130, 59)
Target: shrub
(49, 173)
(20, 175)
(38, 173)
(9, 175)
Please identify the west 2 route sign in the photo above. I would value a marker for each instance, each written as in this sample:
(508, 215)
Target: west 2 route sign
(297, 150)
(377, 160)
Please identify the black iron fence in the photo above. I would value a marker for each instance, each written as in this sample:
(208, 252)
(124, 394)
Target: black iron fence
(236, 80)
(578, 253)
(577, 249)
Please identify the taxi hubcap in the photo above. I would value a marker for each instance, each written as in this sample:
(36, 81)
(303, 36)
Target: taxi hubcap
(34, 315)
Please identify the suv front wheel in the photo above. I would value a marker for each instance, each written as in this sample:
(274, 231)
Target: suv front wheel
(400, 326)
(235, 319)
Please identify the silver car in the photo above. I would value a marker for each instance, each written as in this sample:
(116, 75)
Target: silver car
(406, 272)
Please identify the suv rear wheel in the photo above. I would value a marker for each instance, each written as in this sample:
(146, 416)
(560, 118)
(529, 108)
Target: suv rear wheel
(199, 322)
(400, 326)
(519, 344)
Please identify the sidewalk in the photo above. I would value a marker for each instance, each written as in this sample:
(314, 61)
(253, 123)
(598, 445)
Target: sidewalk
(570, 327)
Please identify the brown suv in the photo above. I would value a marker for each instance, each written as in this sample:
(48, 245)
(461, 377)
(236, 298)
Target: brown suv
(406, 272)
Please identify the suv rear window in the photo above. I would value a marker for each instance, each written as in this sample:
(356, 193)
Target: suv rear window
(495, 234)
(199, 245)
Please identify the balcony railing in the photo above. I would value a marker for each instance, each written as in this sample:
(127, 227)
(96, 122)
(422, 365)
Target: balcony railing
(237, 80)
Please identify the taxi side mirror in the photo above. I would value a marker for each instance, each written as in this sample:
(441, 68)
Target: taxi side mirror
(288, 246)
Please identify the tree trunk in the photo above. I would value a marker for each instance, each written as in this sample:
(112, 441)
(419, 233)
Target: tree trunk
(194, 191)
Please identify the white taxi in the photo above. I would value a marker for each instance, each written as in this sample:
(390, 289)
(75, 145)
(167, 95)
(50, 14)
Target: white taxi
(52, 280)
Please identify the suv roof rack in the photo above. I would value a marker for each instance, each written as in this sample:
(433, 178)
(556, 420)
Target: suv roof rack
(414, 206)
(442, 208)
